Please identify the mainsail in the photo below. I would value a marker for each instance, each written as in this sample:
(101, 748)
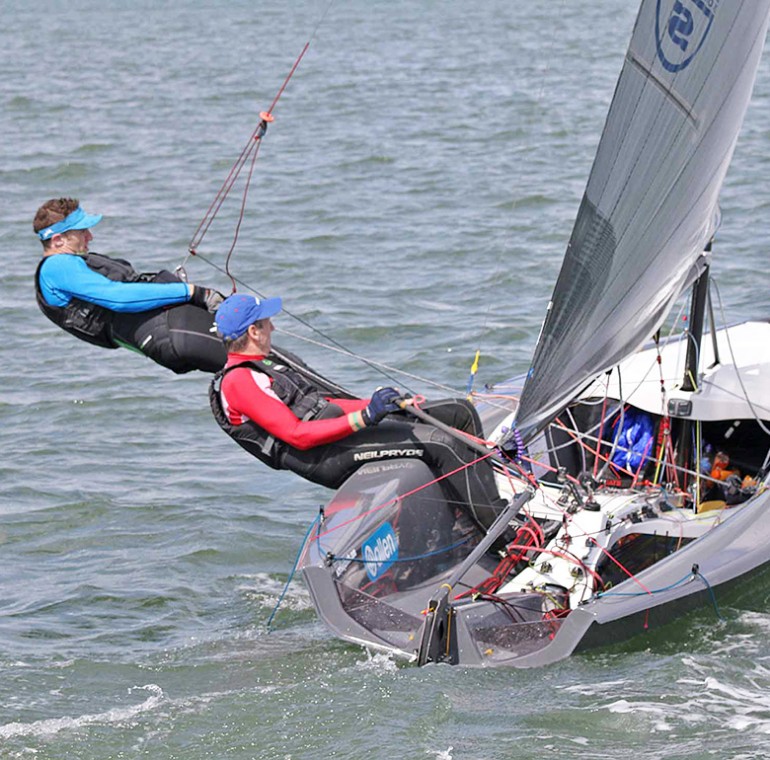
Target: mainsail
(650, 206)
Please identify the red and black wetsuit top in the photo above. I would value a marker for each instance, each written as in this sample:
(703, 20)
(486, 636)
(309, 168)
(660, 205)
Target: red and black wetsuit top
(267, 406)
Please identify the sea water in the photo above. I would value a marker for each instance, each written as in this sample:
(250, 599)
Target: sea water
(411, 203)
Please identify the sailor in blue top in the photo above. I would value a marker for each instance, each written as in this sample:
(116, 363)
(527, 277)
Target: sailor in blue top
(106, 302)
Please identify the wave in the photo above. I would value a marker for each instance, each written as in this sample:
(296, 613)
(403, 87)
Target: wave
(116, 715)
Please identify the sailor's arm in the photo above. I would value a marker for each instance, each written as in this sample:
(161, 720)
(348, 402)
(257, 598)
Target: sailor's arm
(250, 400)
(63, 277)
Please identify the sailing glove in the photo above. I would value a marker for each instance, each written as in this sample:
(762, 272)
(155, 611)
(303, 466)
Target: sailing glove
(206, 298)
(383, 402)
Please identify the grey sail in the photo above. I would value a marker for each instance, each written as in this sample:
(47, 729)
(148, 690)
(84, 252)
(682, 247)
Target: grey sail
(650, 205)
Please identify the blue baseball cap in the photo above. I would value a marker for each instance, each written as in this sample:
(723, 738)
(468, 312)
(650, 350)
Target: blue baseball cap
(77, 220)
(238, 311)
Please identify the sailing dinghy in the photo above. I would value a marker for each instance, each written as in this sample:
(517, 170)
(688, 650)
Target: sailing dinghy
(638, 477)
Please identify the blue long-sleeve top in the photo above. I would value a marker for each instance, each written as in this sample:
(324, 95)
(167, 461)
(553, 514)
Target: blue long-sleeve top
(66, 276)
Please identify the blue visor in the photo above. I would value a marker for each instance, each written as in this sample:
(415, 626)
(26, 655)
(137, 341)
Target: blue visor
(237, 312)
(77, 220)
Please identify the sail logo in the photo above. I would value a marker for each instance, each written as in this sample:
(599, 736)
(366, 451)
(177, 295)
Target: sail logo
(380, 551)
(681, 28)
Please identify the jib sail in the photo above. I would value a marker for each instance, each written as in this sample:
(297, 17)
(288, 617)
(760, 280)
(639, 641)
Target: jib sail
(650, 206)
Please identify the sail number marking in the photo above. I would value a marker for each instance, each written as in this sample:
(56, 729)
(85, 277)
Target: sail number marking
(681, 28)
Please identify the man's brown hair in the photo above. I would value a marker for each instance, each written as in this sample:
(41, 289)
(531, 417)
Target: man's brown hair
(237, 345)
(54, 211)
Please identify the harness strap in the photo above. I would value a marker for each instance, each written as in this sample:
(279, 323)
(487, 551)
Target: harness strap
(294, 388)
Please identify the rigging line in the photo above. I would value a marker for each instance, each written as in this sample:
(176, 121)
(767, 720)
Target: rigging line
(713, 596)
(619, 432)
(603, 418)
(549, 57)
(251, 147)
(735, 363)
(664, 428)
(266, 118)
(574, 424)
(577, 436)
(687, 578)
(643, 377)
(620, 565)
(642, 463)
(219, 199)
(398, 498)
(362, 561)
(691, 340)
(242, 212)
(291, 574)
(596, 452)
(668, 339)
(383, 369)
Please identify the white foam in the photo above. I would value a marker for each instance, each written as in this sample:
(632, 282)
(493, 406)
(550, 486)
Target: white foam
(266, 591)
(757, 619)
(380, 662)
(658, 713)
(713, 702)
(441, 754)
(592, 689)
(51, 726)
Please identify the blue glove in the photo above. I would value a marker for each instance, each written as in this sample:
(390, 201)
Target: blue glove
(383, 402)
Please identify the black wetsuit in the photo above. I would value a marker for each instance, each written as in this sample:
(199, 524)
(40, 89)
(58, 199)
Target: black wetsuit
(396, 437)
(180, 337)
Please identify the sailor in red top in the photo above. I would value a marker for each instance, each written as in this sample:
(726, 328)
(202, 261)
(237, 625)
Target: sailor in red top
(290, 417)
(247, 395)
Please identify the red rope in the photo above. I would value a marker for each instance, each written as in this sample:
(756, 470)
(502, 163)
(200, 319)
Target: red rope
(251, 149)
(562, 555)
(398, 498)
(641, 464)
(241, 214)
(622, 567)
(222, 193)
(595, 452)
(288, 77)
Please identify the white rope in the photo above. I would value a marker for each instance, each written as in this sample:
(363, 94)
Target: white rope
(735, 365)
(376, 364)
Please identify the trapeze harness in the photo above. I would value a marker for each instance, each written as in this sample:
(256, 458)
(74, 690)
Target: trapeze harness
(473, 489)
(305, 397)
(179, 337)
(84, 320)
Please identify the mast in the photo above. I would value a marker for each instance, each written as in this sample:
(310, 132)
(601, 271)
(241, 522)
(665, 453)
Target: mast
(713, 324)
(700, 290)
(698, 305)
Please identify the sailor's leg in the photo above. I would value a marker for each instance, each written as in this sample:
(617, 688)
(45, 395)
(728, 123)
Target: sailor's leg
(194, 339)
(471, 475)
(332, 464)
(466, 481)
(182, 338)
(458, 413)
